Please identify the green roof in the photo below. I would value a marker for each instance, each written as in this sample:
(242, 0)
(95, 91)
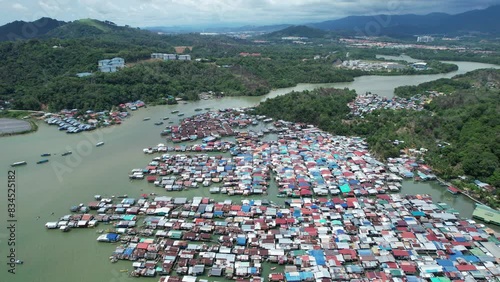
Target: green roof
(440, 279)
(486, 214)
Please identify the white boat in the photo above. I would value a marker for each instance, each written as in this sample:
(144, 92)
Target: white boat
(108, 238)
(51, 225)
(99, 144)
(64, 228)
(18, 261)
(19, 163)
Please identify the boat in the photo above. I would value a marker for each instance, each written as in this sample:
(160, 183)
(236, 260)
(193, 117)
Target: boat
(181, 114)
(18, 261)
(165, 118)
(109, 238)
(273, 268)
(207, 108)
(64, 228)
(198, 109)
(45, 155)
(19, 163)
(66, 153)
(159, 123)
(174, 112)
(99, 144)
(42, 161)
(146, 118)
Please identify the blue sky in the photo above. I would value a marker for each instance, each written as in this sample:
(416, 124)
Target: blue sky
(141, 13)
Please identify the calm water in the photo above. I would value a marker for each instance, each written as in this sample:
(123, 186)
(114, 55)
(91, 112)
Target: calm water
(51, 255)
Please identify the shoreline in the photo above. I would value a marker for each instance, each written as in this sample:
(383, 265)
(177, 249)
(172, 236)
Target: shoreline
(32, 124)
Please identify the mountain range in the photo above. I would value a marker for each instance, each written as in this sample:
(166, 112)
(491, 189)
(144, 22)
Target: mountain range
(484, 21)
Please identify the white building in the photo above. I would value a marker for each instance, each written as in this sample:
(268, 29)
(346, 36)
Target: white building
(163, 56)
(425, 39)
(184, 57)
(111, 65)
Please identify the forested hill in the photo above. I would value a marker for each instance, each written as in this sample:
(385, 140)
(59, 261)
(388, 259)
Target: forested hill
(41, 73)
(460, 129)
(298, 31)
(20, 30)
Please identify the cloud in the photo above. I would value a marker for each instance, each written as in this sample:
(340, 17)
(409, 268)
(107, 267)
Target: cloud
(217, 12)
(17, 6)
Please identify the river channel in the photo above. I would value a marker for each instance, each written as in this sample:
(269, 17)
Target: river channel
(45, 192)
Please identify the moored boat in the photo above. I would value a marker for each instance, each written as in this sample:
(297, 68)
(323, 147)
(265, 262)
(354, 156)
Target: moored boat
(174, 112)
(19, 163)
(42, 161)
(99, 144)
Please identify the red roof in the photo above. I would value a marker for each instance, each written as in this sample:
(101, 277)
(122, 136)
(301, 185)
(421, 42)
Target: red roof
(143, 246)
(465, 267)
(400, 253)
(407, 235)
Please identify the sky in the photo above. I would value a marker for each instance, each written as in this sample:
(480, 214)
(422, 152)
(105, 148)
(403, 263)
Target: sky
(147, 13)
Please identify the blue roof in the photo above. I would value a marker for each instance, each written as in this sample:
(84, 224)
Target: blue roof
(112, 236)
(418, 213)
(444, 262)
(304, 275)
(292, 278)
(128, 251)
(242, 241)
(318, 256)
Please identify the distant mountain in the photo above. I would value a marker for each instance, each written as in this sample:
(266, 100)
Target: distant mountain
(298, 31)
(218, 29)
(485, 21)
(89, 28)
(26, 30)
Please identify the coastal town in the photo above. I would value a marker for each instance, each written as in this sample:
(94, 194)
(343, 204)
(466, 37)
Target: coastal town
(341, 216)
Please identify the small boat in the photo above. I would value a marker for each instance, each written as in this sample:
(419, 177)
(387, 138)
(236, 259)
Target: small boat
(181, 114)
(64, 228)
(207, 109)
(66, 153)
(165, 118)
(18, 261)
(159, 123)
(99, 144)
(174, 112)
(198, 109)
(146, 118)
(19, 163)
(42, 161)
(273, 268)
(45, 155)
